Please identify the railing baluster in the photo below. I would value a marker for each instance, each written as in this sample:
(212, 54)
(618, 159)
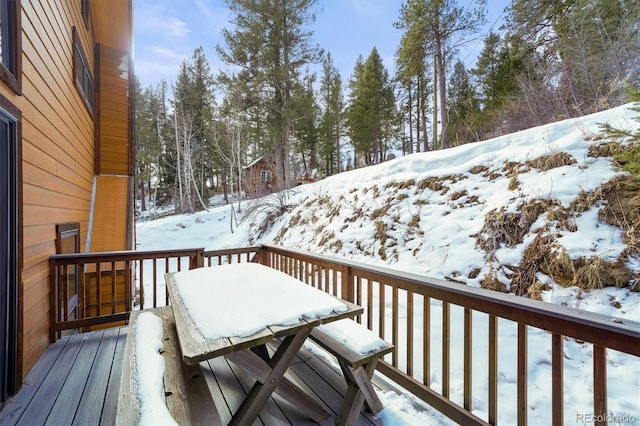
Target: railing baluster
(493, 369)
(410, 333)
(523, 370)
(446, 348)
(65, 293)
(557, 386)
(155, 283)
(128, 293)
(426, 343)
(599, 384)
(382, 310)
(82, 290)
(468, 358)
(327, 283)
(369, 304)
(98, 289)
(394, 323)
(166, 290)
(113, 287)
(141, 283)
(359, 294)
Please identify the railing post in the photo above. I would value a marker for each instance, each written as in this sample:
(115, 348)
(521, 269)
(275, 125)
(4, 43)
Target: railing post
(347, 291)
(600, 384)
(53, 273)
(197, 260)
(265, 257)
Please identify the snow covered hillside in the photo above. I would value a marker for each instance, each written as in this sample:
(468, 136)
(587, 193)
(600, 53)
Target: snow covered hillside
(521, 213)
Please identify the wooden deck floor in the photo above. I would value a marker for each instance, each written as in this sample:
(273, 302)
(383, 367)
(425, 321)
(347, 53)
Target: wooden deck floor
(77, 379)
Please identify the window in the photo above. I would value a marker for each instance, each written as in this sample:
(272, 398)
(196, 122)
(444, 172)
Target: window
(265, 176)
(68, 241)
(82, 73)
(85, 13)
(10, 44)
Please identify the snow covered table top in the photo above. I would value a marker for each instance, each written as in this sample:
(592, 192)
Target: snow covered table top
(223, 309)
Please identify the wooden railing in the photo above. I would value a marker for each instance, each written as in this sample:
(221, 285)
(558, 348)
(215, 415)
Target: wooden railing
(406, 309)
(111, 284)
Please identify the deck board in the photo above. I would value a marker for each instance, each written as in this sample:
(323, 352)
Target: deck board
(66, 405)
(76, 381)
(93, 401)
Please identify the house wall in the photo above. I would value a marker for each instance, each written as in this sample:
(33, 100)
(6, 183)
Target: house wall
(58, 153)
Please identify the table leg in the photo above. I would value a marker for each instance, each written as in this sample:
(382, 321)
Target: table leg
(358, 392)
(264, 387)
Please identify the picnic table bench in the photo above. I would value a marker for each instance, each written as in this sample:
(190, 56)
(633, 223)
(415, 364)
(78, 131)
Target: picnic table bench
(186, 392)
(357, 350)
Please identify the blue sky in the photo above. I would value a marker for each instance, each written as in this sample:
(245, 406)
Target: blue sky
(168, 31)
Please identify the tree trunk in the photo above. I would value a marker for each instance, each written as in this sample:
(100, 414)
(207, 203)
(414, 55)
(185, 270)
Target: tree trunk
(444, 120)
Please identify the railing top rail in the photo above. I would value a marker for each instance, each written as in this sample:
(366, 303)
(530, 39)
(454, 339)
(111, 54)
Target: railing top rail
(225, 252)
(613, 332)
(109, 256)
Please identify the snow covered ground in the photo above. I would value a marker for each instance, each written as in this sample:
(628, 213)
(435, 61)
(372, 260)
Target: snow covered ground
(423, 213)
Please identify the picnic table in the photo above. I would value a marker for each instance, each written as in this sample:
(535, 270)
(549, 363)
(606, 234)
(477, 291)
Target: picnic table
(234, 310)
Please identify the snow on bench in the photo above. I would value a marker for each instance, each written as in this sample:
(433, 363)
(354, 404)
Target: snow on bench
(156, 387)
(358, 350)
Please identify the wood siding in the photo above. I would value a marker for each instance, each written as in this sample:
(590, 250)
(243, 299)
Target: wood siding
(58, 151)
(113, 105)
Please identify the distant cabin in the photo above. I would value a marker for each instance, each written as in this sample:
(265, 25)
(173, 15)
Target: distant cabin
(259, 177)
(66, 160)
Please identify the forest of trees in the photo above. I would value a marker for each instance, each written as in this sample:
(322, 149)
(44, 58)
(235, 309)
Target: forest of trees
(552, 59)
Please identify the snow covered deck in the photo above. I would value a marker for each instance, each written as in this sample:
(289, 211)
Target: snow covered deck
(76, 381)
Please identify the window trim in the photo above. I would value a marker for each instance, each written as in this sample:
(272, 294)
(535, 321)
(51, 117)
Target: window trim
(16, 318)
(79, 57)
(11, 74)
(86, 13)
(70, 230)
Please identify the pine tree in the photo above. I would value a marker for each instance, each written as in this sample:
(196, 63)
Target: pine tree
(147, 144)
(332, 119)
(270, 43)
(306, 125)
(464, 107)
(442, 26)
(412, 59)
(372, 116)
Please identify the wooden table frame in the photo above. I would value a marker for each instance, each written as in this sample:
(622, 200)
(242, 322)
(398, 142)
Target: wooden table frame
(250, 354)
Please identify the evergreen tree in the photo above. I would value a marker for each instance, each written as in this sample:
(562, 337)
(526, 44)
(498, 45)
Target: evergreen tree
(442, 26)
(412, 59)
(332, 116)
(496, 74)
(270, 43)
(372, 116)
(306, 125)
(146, 144)
(463, 107)
(355, 110)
